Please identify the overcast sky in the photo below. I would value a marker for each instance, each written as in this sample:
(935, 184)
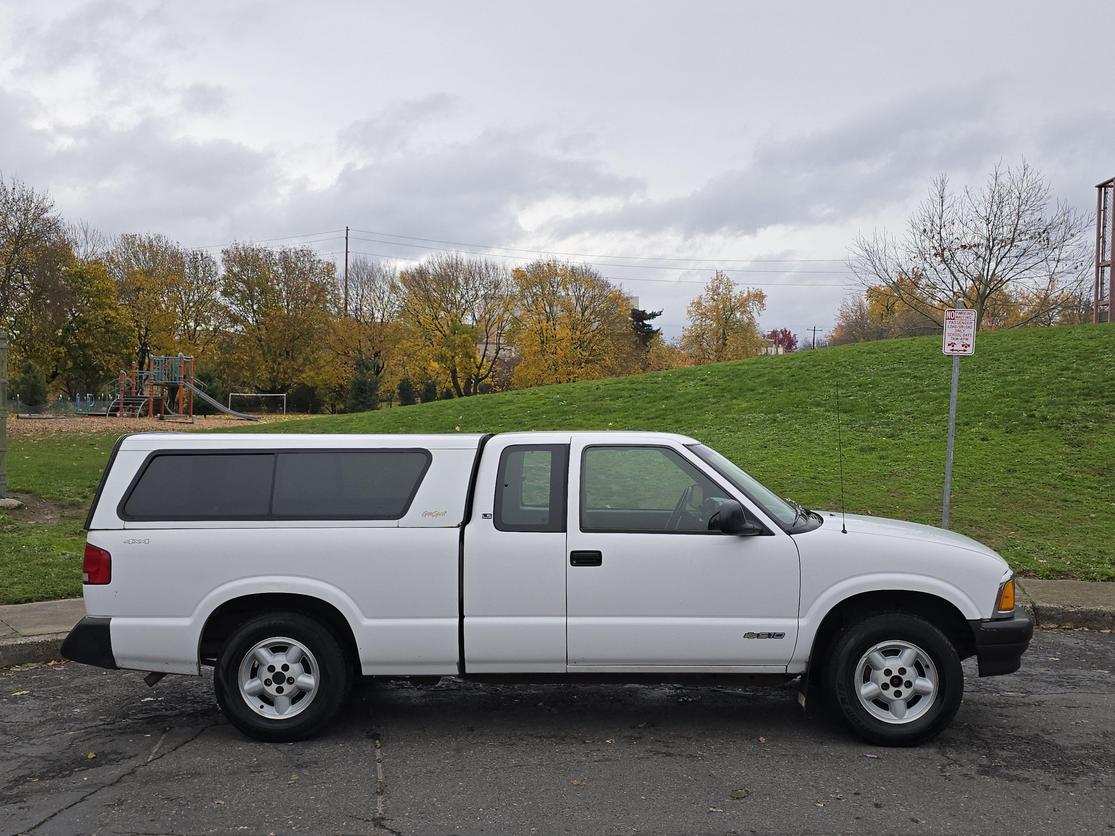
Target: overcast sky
(715, 131)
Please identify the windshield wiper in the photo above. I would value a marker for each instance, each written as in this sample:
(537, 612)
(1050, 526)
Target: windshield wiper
(801, 512)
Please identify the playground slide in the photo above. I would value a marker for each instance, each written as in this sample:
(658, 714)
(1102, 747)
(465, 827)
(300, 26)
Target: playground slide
(213, 402)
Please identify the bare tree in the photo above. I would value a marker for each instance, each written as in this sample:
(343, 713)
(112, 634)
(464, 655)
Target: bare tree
(374, 291)
(32, 244)
(87, 242)
(1008, 239)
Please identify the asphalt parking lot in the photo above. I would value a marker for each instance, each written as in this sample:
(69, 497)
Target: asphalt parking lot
(84, 751)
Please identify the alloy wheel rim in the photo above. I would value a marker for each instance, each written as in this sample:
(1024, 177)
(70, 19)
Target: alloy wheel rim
(896, 681)
(278, 678)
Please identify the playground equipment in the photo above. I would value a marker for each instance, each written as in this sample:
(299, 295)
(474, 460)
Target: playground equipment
(166, 381)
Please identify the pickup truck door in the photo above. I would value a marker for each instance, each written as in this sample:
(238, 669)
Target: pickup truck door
(513, 562)
(650, 587)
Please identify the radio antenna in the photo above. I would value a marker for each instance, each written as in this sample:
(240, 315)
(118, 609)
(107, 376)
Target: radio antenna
(840, 460)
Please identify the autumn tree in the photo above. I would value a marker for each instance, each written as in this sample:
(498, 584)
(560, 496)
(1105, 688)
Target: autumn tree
(570, 324)
(193, 297)
(784, 338)
(366, 340)
(94, 334)
(457, 309)
(145, 268)
(33, 253)
(1008, 239)
(723, 322)
(280, 305)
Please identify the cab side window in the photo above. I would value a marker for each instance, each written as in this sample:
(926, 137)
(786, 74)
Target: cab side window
(530, 488)
(645, 489)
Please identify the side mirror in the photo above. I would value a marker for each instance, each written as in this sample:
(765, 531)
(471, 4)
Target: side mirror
(730, 518)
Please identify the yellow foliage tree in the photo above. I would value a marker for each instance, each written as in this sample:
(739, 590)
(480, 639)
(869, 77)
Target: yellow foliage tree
(458, 309)
(146, 268)
(570, 324)
(723, 322)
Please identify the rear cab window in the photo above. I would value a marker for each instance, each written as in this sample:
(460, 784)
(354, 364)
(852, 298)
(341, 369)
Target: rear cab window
(531, 488)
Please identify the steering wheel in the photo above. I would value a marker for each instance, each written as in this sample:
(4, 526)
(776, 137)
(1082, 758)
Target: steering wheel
(679, 508)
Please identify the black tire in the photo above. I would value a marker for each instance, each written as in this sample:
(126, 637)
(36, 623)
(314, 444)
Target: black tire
(333, 677)
(843, 676)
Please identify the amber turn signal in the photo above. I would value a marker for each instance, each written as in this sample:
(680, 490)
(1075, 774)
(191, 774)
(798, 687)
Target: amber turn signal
(1006, 597)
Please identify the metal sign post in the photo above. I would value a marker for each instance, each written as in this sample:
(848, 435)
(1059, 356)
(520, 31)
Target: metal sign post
(958, 340)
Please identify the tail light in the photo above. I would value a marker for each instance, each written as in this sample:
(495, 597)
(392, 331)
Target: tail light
(96, 566)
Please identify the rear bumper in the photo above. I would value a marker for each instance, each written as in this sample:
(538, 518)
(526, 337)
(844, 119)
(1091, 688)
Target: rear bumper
(1000, 643)
(90, 643)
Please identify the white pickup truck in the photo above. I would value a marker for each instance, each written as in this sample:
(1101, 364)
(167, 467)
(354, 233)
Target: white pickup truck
(294, 563)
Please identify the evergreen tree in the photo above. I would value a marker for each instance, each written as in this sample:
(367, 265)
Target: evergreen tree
(363, 389)
(407, 395)
(30, 386)
(640, 324)
(429, 391)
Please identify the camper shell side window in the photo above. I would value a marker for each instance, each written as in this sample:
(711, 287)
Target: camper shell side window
(252, 485)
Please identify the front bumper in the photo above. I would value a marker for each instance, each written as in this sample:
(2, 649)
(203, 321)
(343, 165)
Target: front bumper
(90, 643)
(1000, 643)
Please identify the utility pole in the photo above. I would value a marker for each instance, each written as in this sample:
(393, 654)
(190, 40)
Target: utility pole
(814, 329)
(3, 415)
(6, 501)
(346, 269)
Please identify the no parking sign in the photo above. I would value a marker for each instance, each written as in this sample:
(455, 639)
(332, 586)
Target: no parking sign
(959, 338)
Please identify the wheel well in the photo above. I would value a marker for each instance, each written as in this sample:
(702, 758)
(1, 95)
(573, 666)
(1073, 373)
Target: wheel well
(231, 614)
(939, 612)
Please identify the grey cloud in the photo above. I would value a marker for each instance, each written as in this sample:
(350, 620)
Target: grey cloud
(203, 99)
(147, 178)
(469, 190)
(838, 172)
(391, 129)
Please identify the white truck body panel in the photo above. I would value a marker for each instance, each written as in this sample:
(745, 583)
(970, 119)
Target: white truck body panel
(418, 589)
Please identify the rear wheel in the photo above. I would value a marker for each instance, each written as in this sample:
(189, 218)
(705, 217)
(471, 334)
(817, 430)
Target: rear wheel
(896, 679)
(281, 677)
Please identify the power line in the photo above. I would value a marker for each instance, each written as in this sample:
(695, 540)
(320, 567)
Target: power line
(334, 232)
(596, 255)
(429, 248)
(667, 281)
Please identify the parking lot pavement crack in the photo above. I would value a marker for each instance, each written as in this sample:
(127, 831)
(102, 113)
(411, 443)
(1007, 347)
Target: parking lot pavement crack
(380, 817)
(127, 773)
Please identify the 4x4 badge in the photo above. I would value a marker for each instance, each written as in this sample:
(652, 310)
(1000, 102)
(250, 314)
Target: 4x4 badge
(764, 635)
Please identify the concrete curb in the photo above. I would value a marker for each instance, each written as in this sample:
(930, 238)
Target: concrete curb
(1051, 616)
(21, 651)
(1051, 605)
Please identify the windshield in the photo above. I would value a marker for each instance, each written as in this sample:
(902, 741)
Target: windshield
(756, 491)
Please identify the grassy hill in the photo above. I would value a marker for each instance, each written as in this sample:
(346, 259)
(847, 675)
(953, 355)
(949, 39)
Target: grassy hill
(1035, 457)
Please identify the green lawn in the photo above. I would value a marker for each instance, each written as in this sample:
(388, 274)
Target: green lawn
(43, 561)
(1035, 459)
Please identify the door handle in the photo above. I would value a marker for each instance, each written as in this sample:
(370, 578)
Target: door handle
(586, 558)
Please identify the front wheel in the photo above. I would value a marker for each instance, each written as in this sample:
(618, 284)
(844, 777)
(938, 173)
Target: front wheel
(281, 677)
(896, 679)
